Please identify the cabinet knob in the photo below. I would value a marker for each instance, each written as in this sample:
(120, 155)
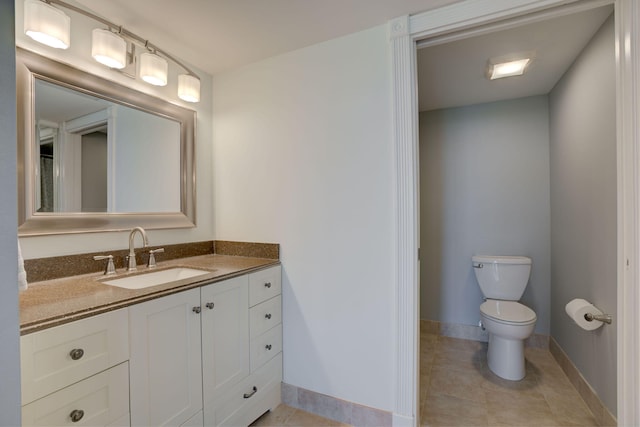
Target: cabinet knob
(267, 285)
(76, 353)
(196, 310)
(76, 415)
(268, 346)
(253, 391)
(209, 305)
(267, 316)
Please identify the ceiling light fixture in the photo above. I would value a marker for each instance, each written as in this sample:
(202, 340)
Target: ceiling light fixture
(46, 24)
(51, 26)
(508, 69)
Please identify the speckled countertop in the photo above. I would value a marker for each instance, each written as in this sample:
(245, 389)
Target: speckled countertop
(54, 302)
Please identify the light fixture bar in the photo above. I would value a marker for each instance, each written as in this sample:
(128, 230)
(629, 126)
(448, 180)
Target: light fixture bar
(124, 32)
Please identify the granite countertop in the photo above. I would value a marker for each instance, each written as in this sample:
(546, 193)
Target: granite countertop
(54, 302)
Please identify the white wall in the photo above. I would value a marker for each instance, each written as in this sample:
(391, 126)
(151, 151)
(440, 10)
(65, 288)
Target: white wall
(78, 55)
(303, 157)
(9, 333)
(484, 189)
(141, 185)
(583, 208)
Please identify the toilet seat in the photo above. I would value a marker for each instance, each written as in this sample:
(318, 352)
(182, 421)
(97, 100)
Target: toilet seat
(511, 312)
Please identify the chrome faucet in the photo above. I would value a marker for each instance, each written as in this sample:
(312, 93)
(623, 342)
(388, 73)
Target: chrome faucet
(131, 266)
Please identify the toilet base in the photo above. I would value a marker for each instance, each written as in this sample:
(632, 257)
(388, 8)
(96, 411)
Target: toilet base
(506, 357)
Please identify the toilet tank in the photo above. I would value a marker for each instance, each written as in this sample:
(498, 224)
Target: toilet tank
(502, 277)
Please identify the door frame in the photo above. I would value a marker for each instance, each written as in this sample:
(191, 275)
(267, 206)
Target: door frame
(404, 33)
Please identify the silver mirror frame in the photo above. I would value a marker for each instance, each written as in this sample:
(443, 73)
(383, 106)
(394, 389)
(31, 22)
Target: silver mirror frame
(31, 66)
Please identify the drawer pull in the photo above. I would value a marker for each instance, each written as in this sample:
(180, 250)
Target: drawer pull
(76, 415)
(196, 310)
(254, 390)
(267, 316)
(76, 353)
(209, 305)
(267, 285)
(268, 346)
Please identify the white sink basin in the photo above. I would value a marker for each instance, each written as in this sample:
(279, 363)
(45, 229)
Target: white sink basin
(156, 278)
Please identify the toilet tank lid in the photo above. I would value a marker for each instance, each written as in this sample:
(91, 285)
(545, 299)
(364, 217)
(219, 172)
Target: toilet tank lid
(501, 259)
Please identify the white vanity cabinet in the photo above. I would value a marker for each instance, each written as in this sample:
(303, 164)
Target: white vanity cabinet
(77, 373)
(207, 356)
(239, 401)
(165, 360)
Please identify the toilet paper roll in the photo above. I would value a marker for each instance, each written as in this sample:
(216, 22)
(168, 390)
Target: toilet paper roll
(577, 308)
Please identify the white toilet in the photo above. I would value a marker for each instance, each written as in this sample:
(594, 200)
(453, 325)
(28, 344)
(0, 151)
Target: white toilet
(502, 280)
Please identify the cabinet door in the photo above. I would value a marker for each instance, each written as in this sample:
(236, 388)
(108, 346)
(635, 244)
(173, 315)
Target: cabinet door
(166, 369)
(225, 336)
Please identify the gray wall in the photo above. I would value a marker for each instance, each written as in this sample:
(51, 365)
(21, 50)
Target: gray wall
(583, 208)
(9, 335)
(484, 189)
(94, 172)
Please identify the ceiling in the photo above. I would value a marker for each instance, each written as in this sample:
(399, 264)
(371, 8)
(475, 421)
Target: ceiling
(58, 104)
(219, 35)
(453, 74)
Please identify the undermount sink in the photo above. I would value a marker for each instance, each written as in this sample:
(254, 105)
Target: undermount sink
(155, 278)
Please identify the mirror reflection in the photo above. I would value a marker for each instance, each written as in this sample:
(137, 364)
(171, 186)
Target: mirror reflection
(94, 155)
(98, 156)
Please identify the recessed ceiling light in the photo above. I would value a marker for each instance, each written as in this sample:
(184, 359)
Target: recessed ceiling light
(508, 69)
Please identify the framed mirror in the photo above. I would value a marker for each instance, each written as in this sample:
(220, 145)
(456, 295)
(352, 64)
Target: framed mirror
(97, 156)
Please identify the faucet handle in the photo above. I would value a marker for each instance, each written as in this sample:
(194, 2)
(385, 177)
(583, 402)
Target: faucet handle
(109, 268)
(152, 257)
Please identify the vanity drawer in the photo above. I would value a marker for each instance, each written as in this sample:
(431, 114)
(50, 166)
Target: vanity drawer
(265, 316)
(100, 400)
(264, 284)
(57, 357)
(265, 347)
(234, 409)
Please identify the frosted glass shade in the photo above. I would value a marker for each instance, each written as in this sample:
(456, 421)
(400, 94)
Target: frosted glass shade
(46, 24)
(153, 69)
(189, 88)
(108, 48)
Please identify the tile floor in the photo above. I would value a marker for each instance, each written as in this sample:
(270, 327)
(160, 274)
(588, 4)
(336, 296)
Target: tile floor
(458, 389)
(285, 415)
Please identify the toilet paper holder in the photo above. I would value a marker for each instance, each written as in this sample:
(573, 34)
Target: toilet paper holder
(605, 318)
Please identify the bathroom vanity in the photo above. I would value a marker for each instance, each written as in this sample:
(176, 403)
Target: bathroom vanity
(199, 351)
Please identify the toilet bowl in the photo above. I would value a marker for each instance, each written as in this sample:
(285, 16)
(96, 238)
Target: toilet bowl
(508, 323)
(502, 280)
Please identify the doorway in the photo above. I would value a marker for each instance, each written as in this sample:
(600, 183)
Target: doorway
(404, 33)
(496, 156)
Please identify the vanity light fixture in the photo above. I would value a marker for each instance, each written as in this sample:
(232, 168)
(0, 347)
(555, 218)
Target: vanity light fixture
(189, 88)
(51, 26)
(46, 24)
(507, 69)
(108, 48)
(153, 69)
